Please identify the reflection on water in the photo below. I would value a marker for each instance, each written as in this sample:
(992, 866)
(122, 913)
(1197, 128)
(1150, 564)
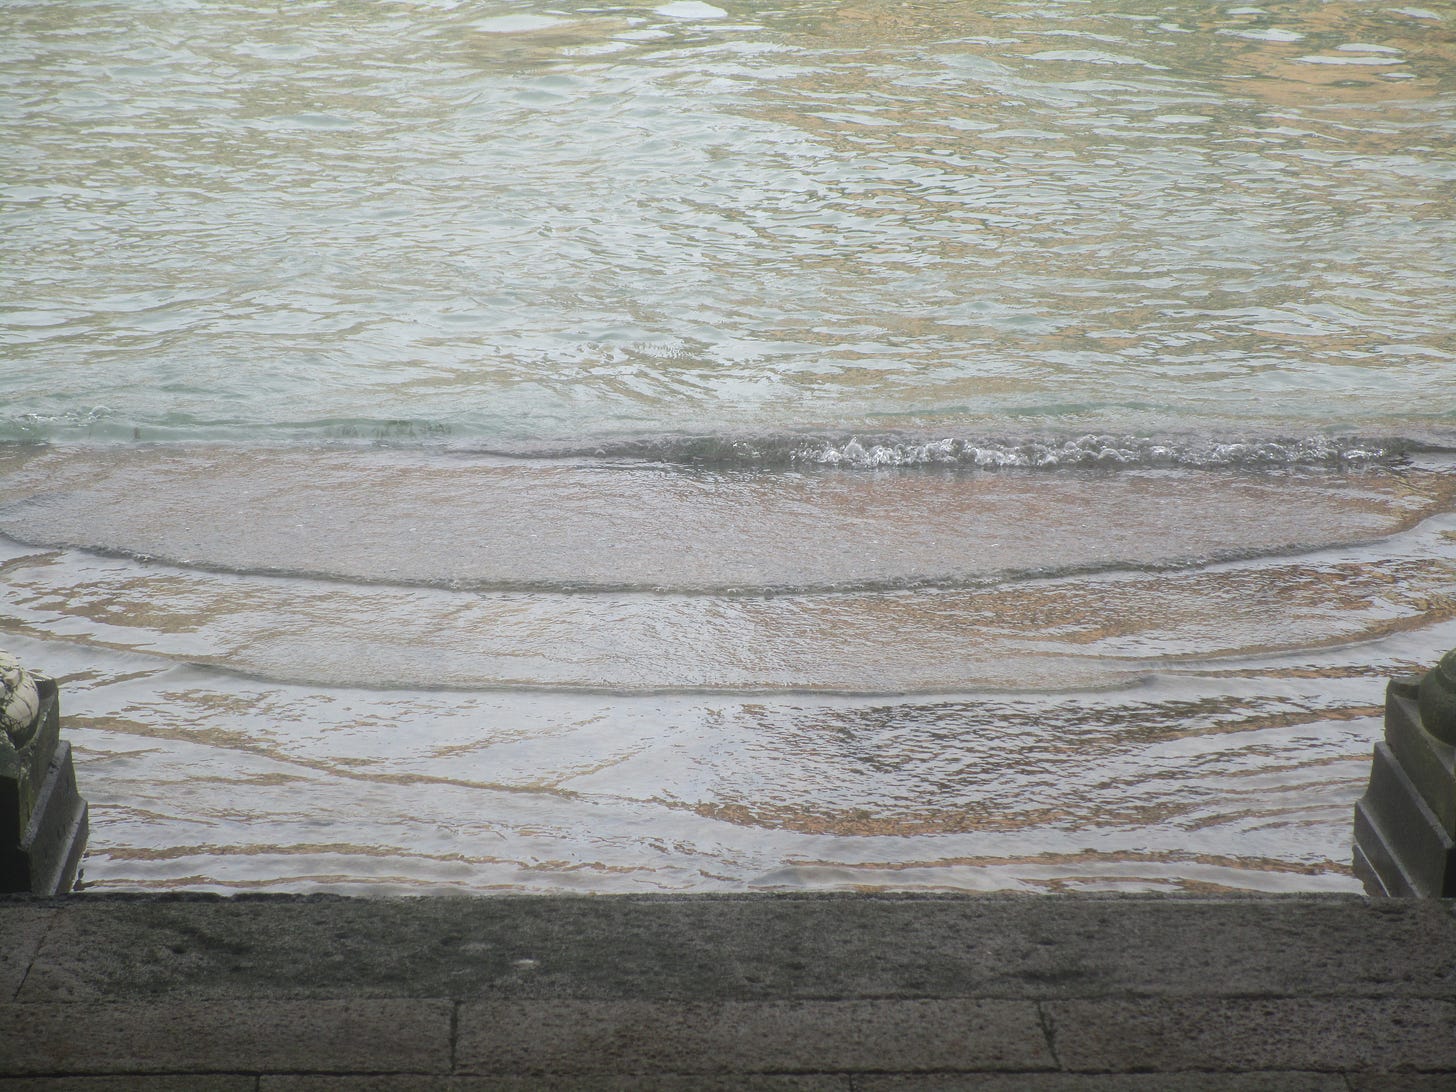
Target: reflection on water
(471, 444)
(513, 221)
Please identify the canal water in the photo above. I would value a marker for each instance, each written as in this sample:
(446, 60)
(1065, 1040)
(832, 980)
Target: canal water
(476, 445)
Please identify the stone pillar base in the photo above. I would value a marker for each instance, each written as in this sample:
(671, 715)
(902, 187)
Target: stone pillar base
(1405, 824)
(43, 819)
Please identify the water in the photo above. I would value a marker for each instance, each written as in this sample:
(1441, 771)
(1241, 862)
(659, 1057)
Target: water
(470, 446)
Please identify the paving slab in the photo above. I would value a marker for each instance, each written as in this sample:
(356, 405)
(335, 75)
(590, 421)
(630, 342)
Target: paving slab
(744, 948)
(132, 1082)
(246, 1035)
(1384, 1034)
(1400, 1082)
(22, 927)
(597, 1082)
(749, 1036)
(1105, 1082)
(843, 992)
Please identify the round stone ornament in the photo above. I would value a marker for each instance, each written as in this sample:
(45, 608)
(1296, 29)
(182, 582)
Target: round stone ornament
(1437, 700)
(19, 700)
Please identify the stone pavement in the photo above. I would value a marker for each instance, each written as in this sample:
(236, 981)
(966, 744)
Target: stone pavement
(845, 992)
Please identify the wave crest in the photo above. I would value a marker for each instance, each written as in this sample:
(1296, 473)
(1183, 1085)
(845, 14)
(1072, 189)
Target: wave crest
(853, 450)
(1090, 451)
(1098, 451)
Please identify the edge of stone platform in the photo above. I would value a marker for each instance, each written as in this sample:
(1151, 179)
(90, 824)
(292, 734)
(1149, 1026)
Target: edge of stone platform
(79, 897)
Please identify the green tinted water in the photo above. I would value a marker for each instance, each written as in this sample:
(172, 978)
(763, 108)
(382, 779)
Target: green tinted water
(522, 220)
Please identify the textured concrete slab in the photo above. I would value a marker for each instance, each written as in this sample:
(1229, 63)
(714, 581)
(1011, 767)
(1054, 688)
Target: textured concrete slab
(582, 1037)
(1385, 1034)
(819, 992)
(21, 930)
(745, 948)
(366, 1036)
(1400, 1082)
(132, 1082)
(598, 1082)
(1105, 1082)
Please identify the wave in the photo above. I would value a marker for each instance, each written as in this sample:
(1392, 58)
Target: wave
(15, 543)
(1088, 451)
(100, 425)
(848, 449)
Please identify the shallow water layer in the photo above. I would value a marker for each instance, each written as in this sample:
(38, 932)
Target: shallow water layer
(640, 676)
(473, 444)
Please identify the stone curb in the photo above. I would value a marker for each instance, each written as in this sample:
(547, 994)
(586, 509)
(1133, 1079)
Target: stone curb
(837, 992)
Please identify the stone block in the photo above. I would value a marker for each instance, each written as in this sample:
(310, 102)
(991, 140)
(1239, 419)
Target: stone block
(1383, 1034)
(590, 1037)
(1282, 1081)
(138, 1082)
(43, 819)
(597, 1082)
(21, 930)
(1429, 762)
(1405, 824)
(138, 1037)
(740, 948)
(1402, 1082)
(1400, 840)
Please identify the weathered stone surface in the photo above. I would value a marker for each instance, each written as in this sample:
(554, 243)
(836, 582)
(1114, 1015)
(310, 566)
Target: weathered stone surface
(744, 947)
(1400, 837)
(1405, 823)
(1104, 1082)
(23, 767)
(1429, 762)
(1401, 1082)
(20, 702)
(56, 836)
(744, 991)
(598, 1082)
(1438, 699)
(192, 1082)
(43, 818)
(1384, 1034)
(582, 1037)
(21, 930)
(222, 1036)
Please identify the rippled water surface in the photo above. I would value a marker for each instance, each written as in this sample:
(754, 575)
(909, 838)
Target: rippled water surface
(689, 446)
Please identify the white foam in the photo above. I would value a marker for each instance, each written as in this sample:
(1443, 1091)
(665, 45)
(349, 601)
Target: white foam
(690, 9)
(517, 24)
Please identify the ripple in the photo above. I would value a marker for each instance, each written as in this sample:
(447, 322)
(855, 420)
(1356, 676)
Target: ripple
(728, 519)
(633, 375)
(729, 226)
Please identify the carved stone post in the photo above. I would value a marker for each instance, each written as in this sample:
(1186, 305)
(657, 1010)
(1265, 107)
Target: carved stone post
(43, 820)
(1405, 824)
